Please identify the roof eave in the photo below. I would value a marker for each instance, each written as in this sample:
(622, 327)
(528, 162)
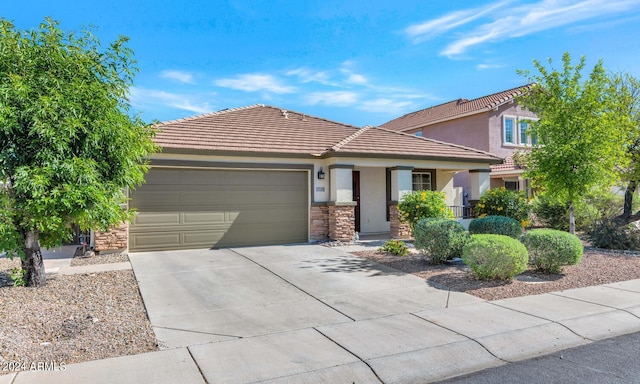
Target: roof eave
(492, 160)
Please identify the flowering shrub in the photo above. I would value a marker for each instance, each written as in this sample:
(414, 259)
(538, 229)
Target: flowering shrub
(423, 204)
(395, 247)
(503, 202)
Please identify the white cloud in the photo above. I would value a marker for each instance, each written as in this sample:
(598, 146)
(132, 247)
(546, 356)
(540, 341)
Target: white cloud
(180, 76)
(335, 98)
(306, 75)
(253, 82)
(385, 106)
(501, 21)
(144, 97)
(356, 78)
(431, 28)
(489, 66)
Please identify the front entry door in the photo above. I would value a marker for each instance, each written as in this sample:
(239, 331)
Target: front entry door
(356, 197)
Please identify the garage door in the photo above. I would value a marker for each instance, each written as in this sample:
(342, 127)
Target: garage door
(198, 208)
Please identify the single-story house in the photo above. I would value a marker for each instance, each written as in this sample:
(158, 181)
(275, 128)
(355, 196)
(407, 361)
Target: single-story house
(262, 175)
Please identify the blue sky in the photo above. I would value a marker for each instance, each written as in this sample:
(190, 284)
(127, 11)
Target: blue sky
(357, 62)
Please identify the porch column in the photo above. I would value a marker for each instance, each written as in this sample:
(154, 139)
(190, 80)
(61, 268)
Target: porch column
(401, 185)
(341, 204)
(480, 183)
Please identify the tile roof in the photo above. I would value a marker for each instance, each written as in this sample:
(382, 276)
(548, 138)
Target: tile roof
(270, 130)
(508, 165)
(453, 109)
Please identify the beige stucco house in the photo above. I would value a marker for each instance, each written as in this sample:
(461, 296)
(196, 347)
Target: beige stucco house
(263, 175)
(494, 123)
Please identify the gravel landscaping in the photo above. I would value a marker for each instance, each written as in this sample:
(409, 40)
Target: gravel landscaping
(73, 318)
(597, 267)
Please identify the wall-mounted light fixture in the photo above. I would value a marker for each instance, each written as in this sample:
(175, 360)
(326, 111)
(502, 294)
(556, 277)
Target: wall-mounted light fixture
(320, 174)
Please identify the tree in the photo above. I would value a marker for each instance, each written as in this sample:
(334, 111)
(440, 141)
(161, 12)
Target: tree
(628, 87)
(582, 136)
(69, 146)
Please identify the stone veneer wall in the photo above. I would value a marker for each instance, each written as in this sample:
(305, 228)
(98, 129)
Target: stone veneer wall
(319, 222)
(398, 230)
(342, 220)
(115, 238)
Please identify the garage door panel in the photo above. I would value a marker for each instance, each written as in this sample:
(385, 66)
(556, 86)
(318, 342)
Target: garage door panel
(219, 208)
(156, 218)
(150, 241)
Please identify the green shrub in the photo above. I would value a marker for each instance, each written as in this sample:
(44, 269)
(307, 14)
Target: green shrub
(551, 212)
(395, 247)
(610, 235)
(496, 225)
(504, 202)
(423, 204)
(597, 207)
(550, 250)
(442, 240)
(495, 256)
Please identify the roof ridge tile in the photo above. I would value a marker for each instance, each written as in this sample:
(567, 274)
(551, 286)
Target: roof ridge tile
(348, 139)
(220, 112)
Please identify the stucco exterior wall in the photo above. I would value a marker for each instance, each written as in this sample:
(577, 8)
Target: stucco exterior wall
(471, 131)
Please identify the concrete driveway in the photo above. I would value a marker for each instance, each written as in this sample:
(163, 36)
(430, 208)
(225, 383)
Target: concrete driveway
(298, 313)
(310, 314)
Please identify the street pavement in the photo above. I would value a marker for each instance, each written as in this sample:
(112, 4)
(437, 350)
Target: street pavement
(609, 361)
(314, 314)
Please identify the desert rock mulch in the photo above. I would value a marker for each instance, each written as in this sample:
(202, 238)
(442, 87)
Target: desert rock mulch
(102, 258)
(597, 267)
(73, 318)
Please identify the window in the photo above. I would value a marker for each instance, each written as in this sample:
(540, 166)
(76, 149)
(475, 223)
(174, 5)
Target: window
(511, 185)
(418, 134)
(524, 137)
(509, 137)
(517, 131)
(423, 180)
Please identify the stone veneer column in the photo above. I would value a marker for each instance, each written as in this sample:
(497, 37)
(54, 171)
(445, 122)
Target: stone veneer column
(319, 221)
(342, 218)
(399, 230)
(115, 238)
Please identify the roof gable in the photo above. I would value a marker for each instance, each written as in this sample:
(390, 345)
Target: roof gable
(454, 109)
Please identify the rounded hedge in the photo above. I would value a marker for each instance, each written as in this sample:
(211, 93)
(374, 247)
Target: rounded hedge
(550, 249)
(442, 240)
(496, 257)
(496, 225)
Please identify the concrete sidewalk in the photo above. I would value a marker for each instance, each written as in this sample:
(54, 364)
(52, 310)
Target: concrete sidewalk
(309, 314)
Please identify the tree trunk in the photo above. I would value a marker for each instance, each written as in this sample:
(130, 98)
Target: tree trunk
(32, 264)
(628, 199)
(572, 220)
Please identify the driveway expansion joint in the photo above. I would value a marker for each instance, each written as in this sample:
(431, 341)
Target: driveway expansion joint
(197, 365)
(549, 320)
(463, 335)
(626, 310)
(291, 283)
(353, 354)
(200, 332)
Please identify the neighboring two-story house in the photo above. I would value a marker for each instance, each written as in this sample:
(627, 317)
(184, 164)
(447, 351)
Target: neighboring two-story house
(493, 123)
